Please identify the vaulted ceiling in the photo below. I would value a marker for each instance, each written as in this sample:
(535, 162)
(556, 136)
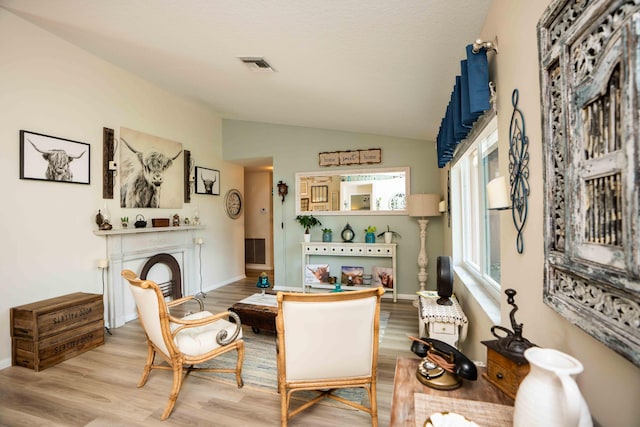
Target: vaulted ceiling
(384, 67)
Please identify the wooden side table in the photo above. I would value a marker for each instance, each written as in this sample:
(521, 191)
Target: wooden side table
(406, 385)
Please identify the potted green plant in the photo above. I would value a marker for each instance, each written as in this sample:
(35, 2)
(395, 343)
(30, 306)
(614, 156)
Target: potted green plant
(327, 235)
(370, 236)
(389, 235)
(124, 221)
(307, 222)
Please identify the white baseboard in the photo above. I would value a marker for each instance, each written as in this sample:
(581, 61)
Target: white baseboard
(5, 363)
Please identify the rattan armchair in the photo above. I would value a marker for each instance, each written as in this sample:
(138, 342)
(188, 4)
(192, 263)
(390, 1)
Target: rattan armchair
(327, 342)
(182, 342)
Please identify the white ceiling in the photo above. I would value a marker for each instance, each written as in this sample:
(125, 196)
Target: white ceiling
(384, 67)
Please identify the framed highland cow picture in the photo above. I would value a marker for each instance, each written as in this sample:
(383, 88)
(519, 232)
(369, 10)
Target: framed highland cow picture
(49, 158)
(207, 181)
(151, 171)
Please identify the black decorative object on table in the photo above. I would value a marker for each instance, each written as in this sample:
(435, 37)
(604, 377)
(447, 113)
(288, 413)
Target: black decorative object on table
(513, 343)
(445, 280)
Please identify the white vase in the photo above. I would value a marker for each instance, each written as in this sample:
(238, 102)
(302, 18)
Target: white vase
(307, 237)
(549, 395)
(388, 236)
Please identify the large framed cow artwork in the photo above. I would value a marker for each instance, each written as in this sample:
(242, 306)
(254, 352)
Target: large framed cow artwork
(151, 171)
(49, 158)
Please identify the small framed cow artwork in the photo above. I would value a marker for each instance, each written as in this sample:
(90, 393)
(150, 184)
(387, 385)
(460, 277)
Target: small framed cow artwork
(207, 181)
(49, 158)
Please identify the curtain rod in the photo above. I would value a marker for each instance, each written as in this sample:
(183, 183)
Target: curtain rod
(488, 46)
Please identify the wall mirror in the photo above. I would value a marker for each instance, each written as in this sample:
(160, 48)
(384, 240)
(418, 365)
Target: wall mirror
(381, 191)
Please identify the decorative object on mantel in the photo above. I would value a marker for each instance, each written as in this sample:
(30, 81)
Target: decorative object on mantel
(196, 215)
(327, 235)
(124, 221)
(347, 234)
(159, 222)
(370, 234)
(589, 105)
(422, 206)
(549, 395)
(351, 157)
(263, 282)
(175, 221)
(140, 221)
(103, 219)
(389, 235)
(506, 364)
(307, 222)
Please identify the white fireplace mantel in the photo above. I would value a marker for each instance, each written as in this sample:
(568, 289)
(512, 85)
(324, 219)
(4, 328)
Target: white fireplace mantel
(130, 248)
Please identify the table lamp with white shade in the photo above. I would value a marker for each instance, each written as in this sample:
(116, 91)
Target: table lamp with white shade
(422, 206)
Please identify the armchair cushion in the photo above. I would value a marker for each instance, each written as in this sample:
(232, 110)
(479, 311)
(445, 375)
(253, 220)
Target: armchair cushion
(201, 339)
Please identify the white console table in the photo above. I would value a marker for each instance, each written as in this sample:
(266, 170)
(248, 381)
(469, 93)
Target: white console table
(366, 250)
(446, 323)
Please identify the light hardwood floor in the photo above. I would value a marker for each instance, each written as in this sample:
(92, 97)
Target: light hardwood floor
(98, 388)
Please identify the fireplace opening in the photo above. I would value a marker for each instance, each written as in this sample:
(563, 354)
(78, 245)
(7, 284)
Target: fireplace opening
(173, 287)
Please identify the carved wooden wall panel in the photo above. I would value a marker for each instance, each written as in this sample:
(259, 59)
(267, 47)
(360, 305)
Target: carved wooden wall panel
(589, 63)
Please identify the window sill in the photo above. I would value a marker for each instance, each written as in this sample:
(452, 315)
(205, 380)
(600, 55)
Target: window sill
(488, 302)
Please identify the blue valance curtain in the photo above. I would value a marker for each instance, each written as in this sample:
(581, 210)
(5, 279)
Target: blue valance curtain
(469, 99)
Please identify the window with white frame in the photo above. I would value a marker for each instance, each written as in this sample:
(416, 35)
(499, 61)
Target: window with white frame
(475, 229)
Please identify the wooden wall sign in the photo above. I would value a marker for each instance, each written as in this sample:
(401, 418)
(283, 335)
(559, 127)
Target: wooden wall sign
(350, 157)
(589, 70)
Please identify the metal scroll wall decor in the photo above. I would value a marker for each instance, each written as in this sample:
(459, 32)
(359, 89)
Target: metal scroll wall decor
(518, 170)
(591, 143)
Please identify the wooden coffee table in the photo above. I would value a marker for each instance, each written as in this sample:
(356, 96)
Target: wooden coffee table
(258, 311)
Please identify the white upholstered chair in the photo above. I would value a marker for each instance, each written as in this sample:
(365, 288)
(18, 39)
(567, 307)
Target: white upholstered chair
(326, 342)
(182, 342)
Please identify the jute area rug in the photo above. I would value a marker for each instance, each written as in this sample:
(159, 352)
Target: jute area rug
(259, 370)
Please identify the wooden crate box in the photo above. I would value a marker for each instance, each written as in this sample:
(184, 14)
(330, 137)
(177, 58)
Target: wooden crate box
(47, 332)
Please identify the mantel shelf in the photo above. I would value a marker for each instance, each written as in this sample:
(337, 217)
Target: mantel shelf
(133, 230)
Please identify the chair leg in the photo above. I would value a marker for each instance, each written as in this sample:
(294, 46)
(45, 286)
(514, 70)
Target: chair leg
(151, 353)
(284, 406)
(240, 350)
(175, 391)
(373, 404)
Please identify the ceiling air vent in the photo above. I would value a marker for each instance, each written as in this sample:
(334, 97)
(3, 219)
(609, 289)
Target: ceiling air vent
(257, 64)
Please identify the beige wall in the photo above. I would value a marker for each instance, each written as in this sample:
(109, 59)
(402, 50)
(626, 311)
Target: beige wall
(48, 247)
(610, 383)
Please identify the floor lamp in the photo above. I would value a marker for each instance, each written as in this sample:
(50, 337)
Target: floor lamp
(422, 206)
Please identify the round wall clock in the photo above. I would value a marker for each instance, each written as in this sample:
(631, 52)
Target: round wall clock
(233, 203)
